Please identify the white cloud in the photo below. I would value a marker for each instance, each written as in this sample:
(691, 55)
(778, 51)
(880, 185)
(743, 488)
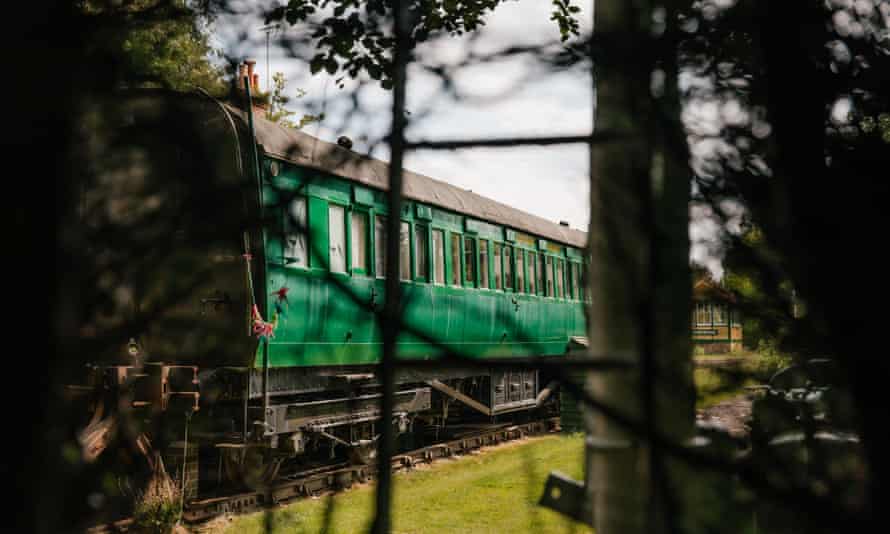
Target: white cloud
(550, 182)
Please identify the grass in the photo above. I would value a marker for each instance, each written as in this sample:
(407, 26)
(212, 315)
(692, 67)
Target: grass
(494, 491)
(713, 387)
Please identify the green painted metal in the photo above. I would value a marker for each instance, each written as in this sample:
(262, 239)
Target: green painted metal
(321, 325)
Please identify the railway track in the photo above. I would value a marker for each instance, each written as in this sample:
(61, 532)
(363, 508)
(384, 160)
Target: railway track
(335, 477)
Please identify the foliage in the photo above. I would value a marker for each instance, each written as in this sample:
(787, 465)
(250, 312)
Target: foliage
(277, 100)
(879, 125)
(158, 508)
(766, 301)
(770, 360)
(357, 39)
(158, 43)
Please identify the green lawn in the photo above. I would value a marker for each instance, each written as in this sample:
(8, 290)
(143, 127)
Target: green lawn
(494, 491)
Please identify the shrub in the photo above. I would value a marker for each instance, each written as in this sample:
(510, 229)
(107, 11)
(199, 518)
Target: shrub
(770, 360)
(158, 508)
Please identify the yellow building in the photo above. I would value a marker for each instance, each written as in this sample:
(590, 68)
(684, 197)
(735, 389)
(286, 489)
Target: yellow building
(716, 326)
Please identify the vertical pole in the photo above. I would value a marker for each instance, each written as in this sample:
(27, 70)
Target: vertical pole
(392, 319)
(259, 182)
(638, 280)
(617, 481)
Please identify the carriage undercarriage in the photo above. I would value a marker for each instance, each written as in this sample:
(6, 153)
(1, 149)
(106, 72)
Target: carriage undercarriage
(234, 426)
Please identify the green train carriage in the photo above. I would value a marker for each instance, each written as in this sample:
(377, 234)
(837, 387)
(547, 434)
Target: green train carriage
(478, 277)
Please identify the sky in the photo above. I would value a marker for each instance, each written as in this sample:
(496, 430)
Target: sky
(551, 182)
(512, 97)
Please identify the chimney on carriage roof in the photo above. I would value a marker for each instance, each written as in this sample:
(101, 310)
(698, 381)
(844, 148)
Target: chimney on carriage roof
(564, 223)
(258, 101)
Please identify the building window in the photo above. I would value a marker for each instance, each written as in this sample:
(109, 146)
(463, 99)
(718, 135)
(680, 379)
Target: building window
(358, 231)
(404, 251)
(296, 252)
(498, 266)
(520, 272)
(532, 273)
(559, 279)
(337, 238)
(439, 256)
(702, 314)
(483, 264)
(455, 259)
(421, 260)
(380, 246)
(508, 267)
(469, 260)
(549, 274)
(718, 312)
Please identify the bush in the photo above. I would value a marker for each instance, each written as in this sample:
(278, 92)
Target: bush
(158, 508)
(769, 360)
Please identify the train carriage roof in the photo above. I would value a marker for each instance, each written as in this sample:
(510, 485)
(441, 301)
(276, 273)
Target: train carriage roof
(305, 150)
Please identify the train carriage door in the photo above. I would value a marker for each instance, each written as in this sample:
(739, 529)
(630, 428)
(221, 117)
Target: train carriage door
(291, 294)
(532, 274)
(498, 267)
(520, 270)
(380, 246)
(439, 257)
(508, 268)
(337, 239)
(483, 264)
(469, 262)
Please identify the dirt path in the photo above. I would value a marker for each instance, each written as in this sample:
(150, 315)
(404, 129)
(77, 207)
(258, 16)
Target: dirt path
(732, 415)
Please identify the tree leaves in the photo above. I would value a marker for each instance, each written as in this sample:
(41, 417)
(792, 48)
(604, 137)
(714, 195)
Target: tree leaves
(351, 41)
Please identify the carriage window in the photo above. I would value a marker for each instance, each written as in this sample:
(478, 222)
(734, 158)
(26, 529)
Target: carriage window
(469, 260)
(702, 313)
(559, 279)
(439, 256)
(337, 230)
(455, 259)
(576, 280)
(404, 252)
(380, 246)
(421, 260)
(358, 231)
(295, 250)
(532, 288)
(483, 263)
(719, 313)
(570, 287)
(508, 268)
(549, 275)
(520, 272)
(498, 266)
(539, 274)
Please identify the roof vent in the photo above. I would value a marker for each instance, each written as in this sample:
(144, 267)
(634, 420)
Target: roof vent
(563, 223)
(345, 142)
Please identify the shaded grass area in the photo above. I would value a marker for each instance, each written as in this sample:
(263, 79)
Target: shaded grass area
(720, 355)
(495, 491)
(714, 385)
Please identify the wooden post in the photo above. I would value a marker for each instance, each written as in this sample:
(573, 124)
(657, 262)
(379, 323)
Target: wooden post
(638, 279)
